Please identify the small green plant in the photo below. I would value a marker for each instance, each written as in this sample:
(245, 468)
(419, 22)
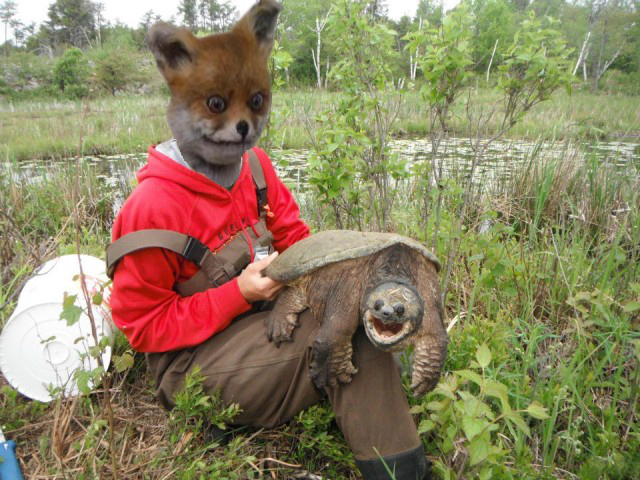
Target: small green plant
(15, 411)
(194, 408)
(71, 312)
(320, 444)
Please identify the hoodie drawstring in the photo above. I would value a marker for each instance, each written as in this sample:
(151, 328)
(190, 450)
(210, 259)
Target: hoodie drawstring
(244, 230)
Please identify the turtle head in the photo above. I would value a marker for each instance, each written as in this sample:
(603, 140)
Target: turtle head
(391, 312)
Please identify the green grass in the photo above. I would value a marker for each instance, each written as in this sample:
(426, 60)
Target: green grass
(129, 124)
(30, 130)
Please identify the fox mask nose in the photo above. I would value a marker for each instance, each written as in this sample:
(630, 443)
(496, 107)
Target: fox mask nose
(243, 128)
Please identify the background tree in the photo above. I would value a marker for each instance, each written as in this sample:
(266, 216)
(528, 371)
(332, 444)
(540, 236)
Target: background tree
(71, 22)
(228, 15)
(7, 14)
(138, 34)
(189, 12)
(431, 11)
(494, 26)
(377, 10)
(216, 16)
(298, 36)
(22, 32)
(116, 63)
(100, 21)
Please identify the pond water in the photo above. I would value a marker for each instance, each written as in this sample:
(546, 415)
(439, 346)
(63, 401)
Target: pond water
(501, 160)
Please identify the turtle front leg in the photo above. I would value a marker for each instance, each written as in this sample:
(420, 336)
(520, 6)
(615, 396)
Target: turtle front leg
(428, 358)
(283, 318)
(332, 350)
(430, 342)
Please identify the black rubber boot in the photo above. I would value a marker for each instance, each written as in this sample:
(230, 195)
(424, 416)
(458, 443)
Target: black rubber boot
(411, 465)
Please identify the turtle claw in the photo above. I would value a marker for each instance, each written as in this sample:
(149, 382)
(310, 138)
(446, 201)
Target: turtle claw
(280, 329)
(328, 369)
(423, 386)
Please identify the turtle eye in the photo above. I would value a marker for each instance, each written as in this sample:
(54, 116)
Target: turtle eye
(256, 101)
(378, 305)
(217, 104)
(399, 309)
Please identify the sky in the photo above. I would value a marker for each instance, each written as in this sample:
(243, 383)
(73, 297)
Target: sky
(131, 11)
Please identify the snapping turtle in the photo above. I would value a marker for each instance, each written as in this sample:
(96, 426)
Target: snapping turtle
(384, 281)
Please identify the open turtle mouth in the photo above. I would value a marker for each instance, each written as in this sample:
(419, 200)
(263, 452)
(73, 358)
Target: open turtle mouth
(385, 335)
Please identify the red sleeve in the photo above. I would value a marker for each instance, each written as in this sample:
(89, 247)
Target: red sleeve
(155, 318)
(286, 225)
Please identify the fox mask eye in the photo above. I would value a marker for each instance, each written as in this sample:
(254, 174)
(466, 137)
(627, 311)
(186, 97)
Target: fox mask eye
(217, 104)
(256, 102)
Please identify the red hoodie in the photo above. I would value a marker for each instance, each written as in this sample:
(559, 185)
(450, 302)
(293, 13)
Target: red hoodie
(170, 196)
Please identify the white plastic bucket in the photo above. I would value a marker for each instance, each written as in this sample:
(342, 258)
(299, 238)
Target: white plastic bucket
(61, 275)
(39, 351)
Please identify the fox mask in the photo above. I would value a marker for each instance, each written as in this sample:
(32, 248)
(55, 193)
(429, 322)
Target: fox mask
(220, 87)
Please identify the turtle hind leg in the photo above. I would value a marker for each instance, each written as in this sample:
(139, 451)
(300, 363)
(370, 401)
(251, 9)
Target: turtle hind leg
(332, 352)
(283, 319)
(331, 364)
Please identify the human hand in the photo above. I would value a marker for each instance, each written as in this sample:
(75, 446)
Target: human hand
(254, 286)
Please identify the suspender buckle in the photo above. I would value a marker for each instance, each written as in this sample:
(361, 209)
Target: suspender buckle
(195, 251)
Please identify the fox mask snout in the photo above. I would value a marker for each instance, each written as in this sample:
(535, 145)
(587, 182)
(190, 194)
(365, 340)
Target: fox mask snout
(220, 85)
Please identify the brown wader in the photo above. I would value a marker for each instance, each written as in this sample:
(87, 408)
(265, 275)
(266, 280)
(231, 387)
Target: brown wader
(271, 385)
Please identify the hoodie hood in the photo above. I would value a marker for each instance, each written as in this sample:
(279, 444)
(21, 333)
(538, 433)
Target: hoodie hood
(171, 150)
(165, 167)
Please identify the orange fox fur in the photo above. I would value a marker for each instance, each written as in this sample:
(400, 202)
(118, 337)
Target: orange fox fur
(220, 89)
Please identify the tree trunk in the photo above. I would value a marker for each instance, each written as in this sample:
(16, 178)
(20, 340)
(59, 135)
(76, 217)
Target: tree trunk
(413, 66)
(316, 55)
(582, 57)
(317, 63)
(491, 61)
(603, 41)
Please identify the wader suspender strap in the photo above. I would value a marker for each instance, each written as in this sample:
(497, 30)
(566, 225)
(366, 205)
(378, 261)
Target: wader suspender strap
(190, 248)
(213, 268)
(261, 183)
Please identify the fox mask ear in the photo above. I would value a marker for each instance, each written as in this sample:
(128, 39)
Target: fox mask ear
(172, 46)
(260, 23)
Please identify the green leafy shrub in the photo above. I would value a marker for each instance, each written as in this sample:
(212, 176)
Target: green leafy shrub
(470, 411)
(351, 166)
(115, 69)
(71, 74)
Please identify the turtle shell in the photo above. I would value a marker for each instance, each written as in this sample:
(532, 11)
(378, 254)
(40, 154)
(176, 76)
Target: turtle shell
(333, 246)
